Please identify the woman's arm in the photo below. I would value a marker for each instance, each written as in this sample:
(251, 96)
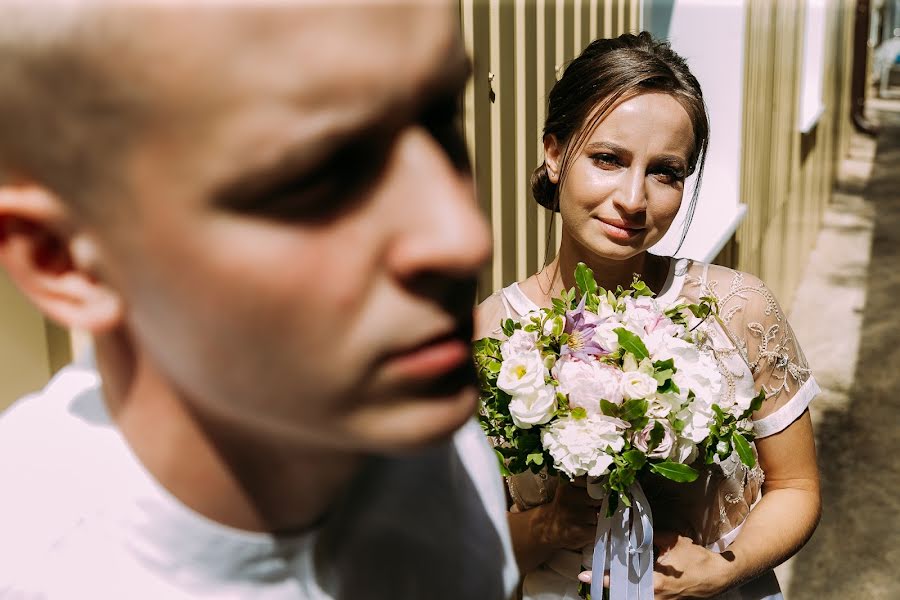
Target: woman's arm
(775, 529)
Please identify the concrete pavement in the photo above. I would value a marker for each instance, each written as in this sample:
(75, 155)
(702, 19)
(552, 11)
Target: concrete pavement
(846, 315)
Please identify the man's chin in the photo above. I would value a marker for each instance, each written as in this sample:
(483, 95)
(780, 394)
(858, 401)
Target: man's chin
(413, 422)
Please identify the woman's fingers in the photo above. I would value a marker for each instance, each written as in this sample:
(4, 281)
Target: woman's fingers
(587, 577)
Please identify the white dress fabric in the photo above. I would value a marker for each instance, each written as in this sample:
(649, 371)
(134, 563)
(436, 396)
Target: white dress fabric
(755, 348)
(80, 517)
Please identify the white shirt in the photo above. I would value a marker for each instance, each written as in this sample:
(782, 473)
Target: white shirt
(80, 517)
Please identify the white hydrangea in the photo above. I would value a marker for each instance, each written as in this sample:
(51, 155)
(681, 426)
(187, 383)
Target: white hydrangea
(578, 446)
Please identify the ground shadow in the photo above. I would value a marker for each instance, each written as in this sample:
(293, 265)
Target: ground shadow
(855, 553)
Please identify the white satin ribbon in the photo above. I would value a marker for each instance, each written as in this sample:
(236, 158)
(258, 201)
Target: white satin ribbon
(624, 542)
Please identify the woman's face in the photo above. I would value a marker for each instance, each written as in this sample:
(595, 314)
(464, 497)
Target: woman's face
(625, 185)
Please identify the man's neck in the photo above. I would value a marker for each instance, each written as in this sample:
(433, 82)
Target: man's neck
(245, 481)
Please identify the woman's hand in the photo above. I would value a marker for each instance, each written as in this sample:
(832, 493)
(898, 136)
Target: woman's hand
(682, 569)
(568, 521)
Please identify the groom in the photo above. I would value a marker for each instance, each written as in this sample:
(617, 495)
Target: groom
(263, 215)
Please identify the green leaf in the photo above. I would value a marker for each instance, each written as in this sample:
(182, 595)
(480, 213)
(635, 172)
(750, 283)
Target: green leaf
(632, 409)
(635, 458)
(558, 326)
(536, 458)
(674, 471)
(720, 414)
(701, 311)
(579, 413)
(744, 450)
(584, 279)
(756, 403)
(662, 377)
(640, 288)
(609, 409)
(503, 470)
(631, 343)
(509, 326)
(665, 365)
(656, 436)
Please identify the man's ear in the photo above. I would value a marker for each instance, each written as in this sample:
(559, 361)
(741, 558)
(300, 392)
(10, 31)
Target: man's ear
(53, 261)
(552, 157)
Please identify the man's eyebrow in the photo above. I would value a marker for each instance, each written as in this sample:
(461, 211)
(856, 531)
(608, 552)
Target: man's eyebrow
(298, 158)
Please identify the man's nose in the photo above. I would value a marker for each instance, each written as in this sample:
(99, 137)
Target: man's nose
(439, 228)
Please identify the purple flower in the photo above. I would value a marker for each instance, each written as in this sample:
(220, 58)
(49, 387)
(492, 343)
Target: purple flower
(581, 342)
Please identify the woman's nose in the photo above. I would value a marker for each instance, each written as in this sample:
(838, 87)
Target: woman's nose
(632, 196)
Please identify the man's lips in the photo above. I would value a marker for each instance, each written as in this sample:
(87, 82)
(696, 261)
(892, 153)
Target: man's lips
(432, 359)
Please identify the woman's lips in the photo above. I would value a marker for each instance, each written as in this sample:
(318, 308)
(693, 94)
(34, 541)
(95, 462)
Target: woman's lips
(619, 230)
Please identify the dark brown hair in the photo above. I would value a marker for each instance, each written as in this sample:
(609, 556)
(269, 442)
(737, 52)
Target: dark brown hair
(609, 71)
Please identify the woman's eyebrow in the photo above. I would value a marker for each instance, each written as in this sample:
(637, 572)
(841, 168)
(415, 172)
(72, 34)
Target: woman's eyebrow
(610, 146)
(672, 160)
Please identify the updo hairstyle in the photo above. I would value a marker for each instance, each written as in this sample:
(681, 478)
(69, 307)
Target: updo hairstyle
(607, 72)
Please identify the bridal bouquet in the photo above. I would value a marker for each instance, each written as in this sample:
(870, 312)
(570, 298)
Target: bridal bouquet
(609, 385)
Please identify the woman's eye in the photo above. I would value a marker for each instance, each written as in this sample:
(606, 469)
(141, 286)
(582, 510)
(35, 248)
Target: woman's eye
(669, 176)
(605, 159)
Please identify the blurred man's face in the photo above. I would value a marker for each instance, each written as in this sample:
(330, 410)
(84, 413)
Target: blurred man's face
(304, 238)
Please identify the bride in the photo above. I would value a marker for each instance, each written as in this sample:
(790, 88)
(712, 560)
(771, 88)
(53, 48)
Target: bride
(626, 125)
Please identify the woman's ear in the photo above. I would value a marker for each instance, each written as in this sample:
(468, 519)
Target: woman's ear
(52, 261)
(552, 157)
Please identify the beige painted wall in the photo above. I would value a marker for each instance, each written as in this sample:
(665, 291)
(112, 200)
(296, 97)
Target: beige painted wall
(26, 339)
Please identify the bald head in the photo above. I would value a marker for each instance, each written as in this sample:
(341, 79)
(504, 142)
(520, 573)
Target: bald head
(85, 80)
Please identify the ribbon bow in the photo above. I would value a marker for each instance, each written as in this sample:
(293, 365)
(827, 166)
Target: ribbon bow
(624, 541)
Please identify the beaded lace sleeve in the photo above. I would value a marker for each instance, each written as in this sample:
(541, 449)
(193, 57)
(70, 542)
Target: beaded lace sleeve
(763, 336)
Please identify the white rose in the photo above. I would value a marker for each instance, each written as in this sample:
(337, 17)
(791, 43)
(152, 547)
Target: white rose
(579, 446)
(520, 342)
(533, 408)
(638, 385)
(586, 383)
(522, 374)
(641, 440)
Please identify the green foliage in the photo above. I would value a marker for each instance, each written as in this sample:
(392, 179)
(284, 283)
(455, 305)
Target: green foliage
(674, 471)
(609, 409)
(742, 446)
(633, 409)
(584, 279)
(631, 343)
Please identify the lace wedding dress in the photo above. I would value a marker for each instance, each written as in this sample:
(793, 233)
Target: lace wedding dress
(755, 348)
